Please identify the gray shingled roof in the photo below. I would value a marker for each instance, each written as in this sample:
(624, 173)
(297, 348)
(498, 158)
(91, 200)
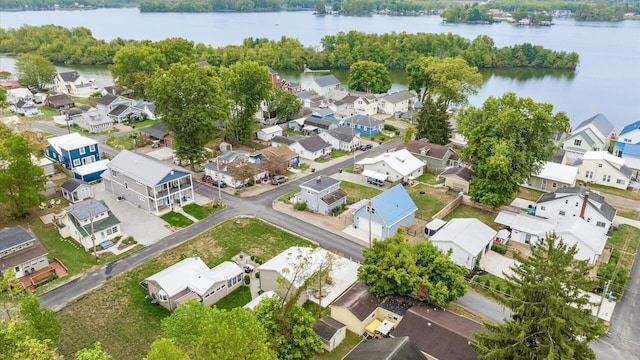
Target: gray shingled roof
(118, 110)
(72, 184)
(305, 95)
(107, 99)
(20, 257)
(325, 81)
(327, 327)
(287, 140)
(363, 120)
(157, 130)
(394, 348)
(320, 183)
(323, 123)
(358, 300)
(314, 143)
(85, 209)
(10, 237)
(398, 96)
(143, 168)
(342, 133)
(462, 172)
(69, 76)
(600, 122)
(596, 200)
(60, 100)
(435, 151)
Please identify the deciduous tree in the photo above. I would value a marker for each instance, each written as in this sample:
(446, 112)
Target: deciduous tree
(40, 323)
(134, 64)
(450, 79)
(284, 103)
(421, 271)
(243, 171)
(95, 353)
(409, 134)
(165, 349)
(34, 70)
(370, 77)
(189, 99)
(550, 312)
(508, 139)
(433, 121)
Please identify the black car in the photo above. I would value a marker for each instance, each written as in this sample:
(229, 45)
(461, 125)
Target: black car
(219, 183)
(365, 147)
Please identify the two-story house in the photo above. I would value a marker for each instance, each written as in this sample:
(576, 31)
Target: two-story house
(20, 250)
(342, 138)
(148, 183)
(72, 83)
(628, 146)
(397, 102)
(576, 202)
(93, 121)
(322, 195)
(436, 157)
(116, 107)
(365, 125)
(394, 166)
(592, 134)
(365, 104)
(601, 167)
(73, 150)
(322, 85)
(90, 223)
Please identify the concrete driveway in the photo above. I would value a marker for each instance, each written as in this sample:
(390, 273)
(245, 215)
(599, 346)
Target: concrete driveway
(145, 228)
(497, 264)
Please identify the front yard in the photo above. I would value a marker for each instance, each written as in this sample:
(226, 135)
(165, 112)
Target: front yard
(176, 219)
(119, 316)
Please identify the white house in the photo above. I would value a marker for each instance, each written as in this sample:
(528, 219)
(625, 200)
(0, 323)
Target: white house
(221, 168)
(342, 138)
(576, 202)
(393, 166)
(72, 83)
(630, 135)
(553, 176)
(268, 133)
(525, 228)
(311, 147)
(600, 167)
(322, 85)
(19, 94)
(588, 240)
(90, 223)
(21, 251)
(76, 190)
(592, 134)
(365, 104)
(190, 279)
(468, 238)
(399, 101)
(322, 195)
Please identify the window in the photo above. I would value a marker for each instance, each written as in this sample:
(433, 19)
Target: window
(126, 186)
(543, 208)
(588, 220)
(76, 162)
(577, 142)
(114, 173)
(82, 151)
(606, 178)
(230, 283)
(600, 224)
(577, 203)
(599, 165)
(562, 213)
(627, 140)
(554, 185)
(619, 181)
(566, 201)
(92, 148)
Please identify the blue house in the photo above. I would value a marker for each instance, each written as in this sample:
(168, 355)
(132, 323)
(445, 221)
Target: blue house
(386, 212)
(91, 172)
(630, 134)
(73, 150)
(364, 124)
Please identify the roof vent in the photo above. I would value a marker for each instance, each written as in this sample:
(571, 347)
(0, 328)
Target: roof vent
(318, 179)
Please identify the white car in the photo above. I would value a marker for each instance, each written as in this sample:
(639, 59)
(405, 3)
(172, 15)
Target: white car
(248, 268)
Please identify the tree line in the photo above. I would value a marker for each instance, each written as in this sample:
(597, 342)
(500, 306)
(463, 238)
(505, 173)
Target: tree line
(77, 46)
(53, 4)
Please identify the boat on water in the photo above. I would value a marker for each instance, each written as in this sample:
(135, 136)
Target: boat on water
(307, 70)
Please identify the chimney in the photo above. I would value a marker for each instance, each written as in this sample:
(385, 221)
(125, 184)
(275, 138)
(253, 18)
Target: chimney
(318, 179)
(584, 204)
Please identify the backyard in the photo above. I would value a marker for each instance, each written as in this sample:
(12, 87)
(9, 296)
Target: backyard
(123, 320)
(464, 211)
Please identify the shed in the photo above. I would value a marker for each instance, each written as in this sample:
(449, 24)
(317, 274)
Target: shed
(268, 133)
(91, 172)
(330, 331)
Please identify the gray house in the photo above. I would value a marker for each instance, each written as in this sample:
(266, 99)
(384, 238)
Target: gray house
(151, 184)
(322, 195)
(324, 84)
(76, 190)
(436, 157)
(20, 250)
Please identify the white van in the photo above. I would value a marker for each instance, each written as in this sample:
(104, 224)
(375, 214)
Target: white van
(374, 181)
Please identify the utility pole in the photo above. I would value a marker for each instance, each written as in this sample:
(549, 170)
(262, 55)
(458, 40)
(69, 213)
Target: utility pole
(370, 210)
(613, 278)
(93, 238)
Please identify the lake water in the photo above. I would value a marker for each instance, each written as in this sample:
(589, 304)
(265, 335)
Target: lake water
(606, 80)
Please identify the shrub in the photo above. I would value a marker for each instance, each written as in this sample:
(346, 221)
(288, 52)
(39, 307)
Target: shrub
(247, 279)
(397, 132)
(507, 291)
(389, 127)
(487, 283)
(498, 288)
(258, 275)
(499, 249)
(300, 206)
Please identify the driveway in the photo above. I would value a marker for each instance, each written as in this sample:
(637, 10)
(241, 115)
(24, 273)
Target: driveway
(132, 219)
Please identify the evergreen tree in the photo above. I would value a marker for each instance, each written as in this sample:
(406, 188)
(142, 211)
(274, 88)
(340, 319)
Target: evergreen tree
(433, 121)
(550, 314)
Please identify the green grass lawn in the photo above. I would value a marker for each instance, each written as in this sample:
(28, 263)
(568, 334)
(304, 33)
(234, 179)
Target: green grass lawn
(431, 201)
(618, 239)
(428, 178)
(464, 211)
(143, 124)
(615, 191)
(334, 155)
(350, 341)
(238, 298)
(286, 197)
(357, 192)
(312, 308)
(528, 194)
(176, 219)
(199, 212)
(47, 114)
(123, 320)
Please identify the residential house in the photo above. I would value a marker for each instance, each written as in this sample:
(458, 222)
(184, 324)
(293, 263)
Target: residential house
(391, 348)
(159, 131)
(356, 308)
(457, 138)
(258, 299)
(322, 113)
(20, 250)
(397, 102)
(385, 212)
(222, 168)
(394, 166)
(19, 94)
(525, 228)
(90, 223)
(72, 83)
(629, 135)
(577, 202)
(365, 104)
(436, 157)
(592, 134)
(26, 108)
(190, 279)
(148, 183)
(118, 108)
(288, 271)
(93, 121)
(365, 125)
(144, 109)
(112, 90)
(304, 96)
(602, 168)
(75, 190)
(322, 85)
(286, 140)
(59, 102)
(91, 172)
(552, 176)
(47, 165)
(322, 195)
(457, 178)
(344, 105)
(314, 125)
(279, 158)
(468, 238)
(266, 134)
(342, 138)
(73, 150)
(311, 147)
(330, 331)
(439, 333)
(336, 95)
(314, 101)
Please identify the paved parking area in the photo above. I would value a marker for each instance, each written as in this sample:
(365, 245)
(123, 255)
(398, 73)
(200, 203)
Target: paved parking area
(497, 264)
(145, 228)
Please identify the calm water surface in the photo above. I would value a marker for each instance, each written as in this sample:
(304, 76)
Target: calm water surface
(606, 80)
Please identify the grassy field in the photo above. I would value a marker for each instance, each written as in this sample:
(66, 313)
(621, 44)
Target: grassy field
(238, 298)
(428, 178)
(464, 211)
(176, 219)
(119, 316)
(618, 239)
(614, 191)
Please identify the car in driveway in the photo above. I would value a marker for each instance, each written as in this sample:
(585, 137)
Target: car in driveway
(219, 183)
(279, 179)
(248, 268)
(365, 147)
(207, 179)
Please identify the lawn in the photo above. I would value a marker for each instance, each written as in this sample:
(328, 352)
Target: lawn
(432, 201)
(528, 194)
(123, 320)
(47, 114)
(142, 124)
(614, 191)
(490, 286)
(334, 155)
(464, 211)
(125, 142)
(312, 308)
(238, 298)
(618, 239)
(357, 192)
(199, 212)
(428, 178)
(176, 219)
(349, 342)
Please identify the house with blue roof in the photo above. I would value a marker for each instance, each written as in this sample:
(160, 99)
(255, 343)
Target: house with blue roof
(73, 150)
(386, 212)
(592, 134)
(364, 124)
(628, 145)
(150, 184)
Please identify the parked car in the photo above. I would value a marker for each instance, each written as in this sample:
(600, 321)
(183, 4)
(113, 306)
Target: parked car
(248, 268)
(219, 183)
(374, 181)
(365, 147)
(279, 179)
(207, 179)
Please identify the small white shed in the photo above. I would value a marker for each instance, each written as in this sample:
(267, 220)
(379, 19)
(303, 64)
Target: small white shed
(269, 133)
